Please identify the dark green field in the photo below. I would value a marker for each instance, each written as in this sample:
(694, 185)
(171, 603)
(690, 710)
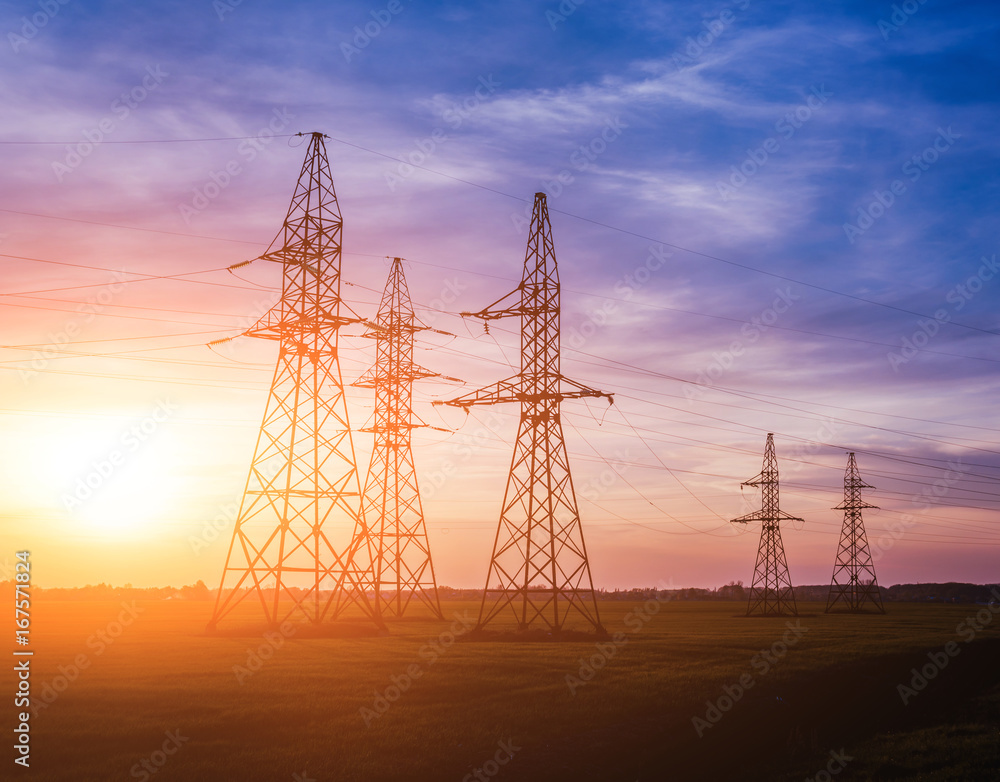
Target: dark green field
(302, 713)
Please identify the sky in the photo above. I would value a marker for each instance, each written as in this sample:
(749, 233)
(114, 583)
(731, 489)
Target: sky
(768, 217)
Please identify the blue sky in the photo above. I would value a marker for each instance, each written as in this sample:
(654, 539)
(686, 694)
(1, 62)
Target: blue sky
(645, 110)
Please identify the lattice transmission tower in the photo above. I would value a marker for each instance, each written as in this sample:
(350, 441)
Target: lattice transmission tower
(854, 585)
(303, 487)
(402, 568)
(539, 573)
(771, 590)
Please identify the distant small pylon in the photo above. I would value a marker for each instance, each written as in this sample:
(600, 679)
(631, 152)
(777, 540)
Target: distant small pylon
(393, 515)
(854, 585)
(771, 589)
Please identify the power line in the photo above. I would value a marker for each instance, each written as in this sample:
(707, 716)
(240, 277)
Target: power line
(737, 392)
(755, 428)
(584, 293)
(130, 227)
(143, 141)
(716, 258)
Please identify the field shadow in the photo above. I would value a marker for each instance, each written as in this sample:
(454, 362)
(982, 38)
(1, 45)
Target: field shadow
(349, 629)
(532, 636)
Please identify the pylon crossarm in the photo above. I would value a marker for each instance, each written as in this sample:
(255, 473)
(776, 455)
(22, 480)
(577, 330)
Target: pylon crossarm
(854, 505)
(493, 312)
(757, 515)
(582, 391)
(502, 391)
(758, 480)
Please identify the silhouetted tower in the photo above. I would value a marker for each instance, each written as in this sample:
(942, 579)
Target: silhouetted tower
(402, 567)
(303, 484)
(539, 571)
(771, 590)
(854, 585)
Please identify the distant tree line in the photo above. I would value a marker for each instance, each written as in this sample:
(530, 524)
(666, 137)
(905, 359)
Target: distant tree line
(951, 592)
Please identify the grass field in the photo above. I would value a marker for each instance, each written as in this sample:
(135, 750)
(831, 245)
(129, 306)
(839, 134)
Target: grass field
(326, 709)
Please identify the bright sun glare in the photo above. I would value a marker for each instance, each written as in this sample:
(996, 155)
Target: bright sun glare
(108, 475)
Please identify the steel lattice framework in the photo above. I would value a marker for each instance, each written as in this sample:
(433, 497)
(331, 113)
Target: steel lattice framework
(854, 585)
(771, 590)
(303, 483)
(402, 567)
(539, 573)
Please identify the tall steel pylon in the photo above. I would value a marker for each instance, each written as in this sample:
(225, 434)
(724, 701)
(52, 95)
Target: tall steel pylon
(771, 590)
(402, 568)
(854, 585)
(539, 573)
(303, 483)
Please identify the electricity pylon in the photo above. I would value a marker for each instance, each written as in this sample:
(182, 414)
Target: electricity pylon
(539, 572)
(771, 590)
(303, 482)
(854, 583)
(402, 567)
